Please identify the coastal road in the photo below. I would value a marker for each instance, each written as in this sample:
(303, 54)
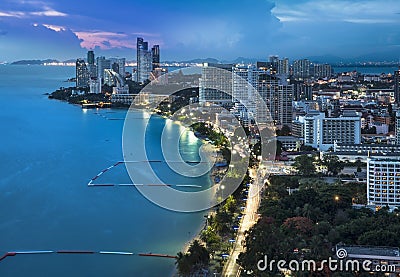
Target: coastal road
(231, 268)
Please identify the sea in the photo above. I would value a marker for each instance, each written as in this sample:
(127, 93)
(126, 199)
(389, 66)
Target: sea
(373, 70)
(49, 151)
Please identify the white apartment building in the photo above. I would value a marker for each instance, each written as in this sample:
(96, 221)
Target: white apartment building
(383, 182)
(322, 132)
(216, 83)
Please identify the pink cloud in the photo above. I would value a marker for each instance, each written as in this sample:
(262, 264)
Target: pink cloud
(109, 40)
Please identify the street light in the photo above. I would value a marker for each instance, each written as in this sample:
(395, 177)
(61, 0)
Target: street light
(336, 198)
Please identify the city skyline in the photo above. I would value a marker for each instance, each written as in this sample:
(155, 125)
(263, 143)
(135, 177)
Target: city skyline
(256, 29)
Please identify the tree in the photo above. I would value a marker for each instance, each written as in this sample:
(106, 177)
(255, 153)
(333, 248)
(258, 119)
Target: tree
(230, 205)
(199, 255)
(333, 164)
(285, 131)
(300, 224)
(183, 264)
(211, 238)
(305, 165)
(196, 259)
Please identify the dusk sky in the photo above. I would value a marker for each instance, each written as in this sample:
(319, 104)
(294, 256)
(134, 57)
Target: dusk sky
(201, 28)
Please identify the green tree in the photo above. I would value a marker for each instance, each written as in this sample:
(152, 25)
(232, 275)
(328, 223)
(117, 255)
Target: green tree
(211, 238)
(194, 261)
(305, 165)
(333, 164)
(183, 264)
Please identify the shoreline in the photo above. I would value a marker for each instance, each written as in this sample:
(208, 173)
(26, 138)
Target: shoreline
(209, 212)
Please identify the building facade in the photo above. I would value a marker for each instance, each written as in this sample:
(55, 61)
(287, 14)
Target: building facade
(155, 53)
(102, 64)
(301, 69)
(216, 83)
(322, 71)
(322, 132)
(82, 74)
(397, 128)
(383, 182)
(275, 94)
(396, 86)
(91, 65)
(144, 60)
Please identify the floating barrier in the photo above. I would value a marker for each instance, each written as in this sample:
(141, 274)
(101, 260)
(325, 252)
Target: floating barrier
(157, 255)
(91, 184)
(116, 253)
(84, 252)
(75, 252)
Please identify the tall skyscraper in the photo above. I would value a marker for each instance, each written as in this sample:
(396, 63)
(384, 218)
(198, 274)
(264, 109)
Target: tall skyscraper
(274, 63)
(155, 53)
(322, 71)
(90, 57)
(274, 92)
(397, 128)
(278, 97)
(283, 67)
(102, 64)
(121, 67)
(301, 69)
(82, 74)
(92, 68)
(216, 83)
(144, 60)
(244, 87)
(396, 86)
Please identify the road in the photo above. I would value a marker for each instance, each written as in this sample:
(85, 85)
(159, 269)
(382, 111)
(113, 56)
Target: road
(231, 268)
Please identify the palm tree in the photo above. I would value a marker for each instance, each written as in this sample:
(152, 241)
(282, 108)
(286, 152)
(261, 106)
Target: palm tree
(183, 264)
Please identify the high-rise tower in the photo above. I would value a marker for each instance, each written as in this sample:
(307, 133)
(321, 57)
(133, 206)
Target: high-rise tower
(396, 86)
(82, 74)
(155, 53)
(144, 60)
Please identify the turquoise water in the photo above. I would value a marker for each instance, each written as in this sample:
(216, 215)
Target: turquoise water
(49, 150)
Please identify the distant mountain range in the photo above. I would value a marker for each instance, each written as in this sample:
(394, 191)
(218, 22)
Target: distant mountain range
(34, 62)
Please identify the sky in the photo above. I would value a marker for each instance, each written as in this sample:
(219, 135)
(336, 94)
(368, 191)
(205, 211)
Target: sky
(221, 29)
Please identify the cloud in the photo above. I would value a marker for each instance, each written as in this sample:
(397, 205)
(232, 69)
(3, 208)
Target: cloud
(48, 12)
(106, 40)
(11, 14)
(27, 9)
(360, 12)
(91, 39)
(55, 27)
(25, 40)
(21, 14)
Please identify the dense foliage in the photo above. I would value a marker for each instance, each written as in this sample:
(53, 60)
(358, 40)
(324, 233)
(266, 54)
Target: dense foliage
(308, 223)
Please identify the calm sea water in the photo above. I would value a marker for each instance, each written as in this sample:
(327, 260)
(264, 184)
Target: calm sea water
(367, 70)
(49, 150)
